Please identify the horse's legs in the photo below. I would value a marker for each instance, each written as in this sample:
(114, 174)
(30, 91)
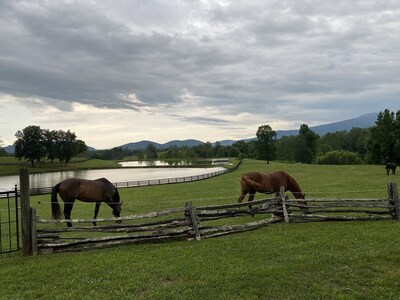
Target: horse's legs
(242, 195)
(96, 212)
(251, 198)
(67, 212)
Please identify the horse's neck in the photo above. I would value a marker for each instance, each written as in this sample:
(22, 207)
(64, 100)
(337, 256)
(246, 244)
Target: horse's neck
(294, 188)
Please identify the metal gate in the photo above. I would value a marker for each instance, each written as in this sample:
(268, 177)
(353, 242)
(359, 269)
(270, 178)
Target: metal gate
(9, 221)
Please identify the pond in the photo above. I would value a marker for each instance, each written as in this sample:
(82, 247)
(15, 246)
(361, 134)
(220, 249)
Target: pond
(168, 163)
(114, 175)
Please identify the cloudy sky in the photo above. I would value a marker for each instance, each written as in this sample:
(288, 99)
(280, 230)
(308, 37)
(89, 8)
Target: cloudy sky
(122, 71)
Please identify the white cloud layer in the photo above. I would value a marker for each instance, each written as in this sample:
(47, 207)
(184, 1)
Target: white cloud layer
(120, 71)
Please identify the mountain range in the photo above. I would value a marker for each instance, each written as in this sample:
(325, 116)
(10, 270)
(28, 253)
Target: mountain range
(363, 121)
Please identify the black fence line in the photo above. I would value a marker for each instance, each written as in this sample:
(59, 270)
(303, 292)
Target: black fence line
(9, 224)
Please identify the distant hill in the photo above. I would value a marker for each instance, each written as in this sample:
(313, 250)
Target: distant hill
(363, 121)
(179, 143)
(9, 149)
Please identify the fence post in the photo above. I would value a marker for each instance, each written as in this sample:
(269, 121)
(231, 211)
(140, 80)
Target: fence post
(34, 231)
(394, 199)
(17, 216)
(283, 199)
(190, 210)
(25, 212)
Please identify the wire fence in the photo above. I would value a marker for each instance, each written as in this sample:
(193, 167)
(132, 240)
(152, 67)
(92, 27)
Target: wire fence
(9, 222)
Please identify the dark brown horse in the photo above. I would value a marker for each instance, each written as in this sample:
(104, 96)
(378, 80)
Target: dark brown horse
(391, 166)
(99, 190)
(269, 183)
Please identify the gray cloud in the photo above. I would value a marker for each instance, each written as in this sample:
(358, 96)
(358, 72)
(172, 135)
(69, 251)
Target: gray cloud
(242, 56)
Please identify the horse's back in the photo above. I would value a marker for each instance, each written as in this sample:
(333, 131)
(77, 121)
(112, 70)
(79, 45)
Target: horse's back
(87, 190)
(279, 176)
(69, 188)
(278, 179)
(265, 182)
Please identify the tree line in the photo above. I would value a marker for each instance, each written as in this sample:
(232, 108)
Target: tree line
(37, 145)
(377, 144)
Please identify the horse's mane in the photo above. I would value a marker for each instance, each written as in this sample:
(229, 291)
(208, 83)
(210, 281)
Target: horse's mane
(105, 180)
(116, 196)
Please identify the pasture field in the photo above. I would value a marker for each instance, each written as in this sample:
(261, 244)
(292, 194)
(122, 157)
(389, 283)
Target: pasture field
(11, 165)
(328, 260)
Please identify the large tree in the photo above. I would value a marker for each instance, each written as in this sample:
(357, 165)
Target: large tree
(30, 144)
(384, 138)
(36, 144)
(2, 151)
(66, 145)
(151, 151)
(265, 142)
(306, 148)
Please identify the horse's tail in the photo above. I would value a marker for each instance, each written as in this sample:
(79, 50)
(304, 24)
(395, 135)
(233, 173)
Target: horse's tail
(55, 207)
(117, 204)
(250, 182)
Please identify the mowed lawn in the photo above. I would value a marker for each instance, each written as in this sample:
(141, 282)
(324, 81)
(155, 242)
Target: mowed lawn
(329, 260)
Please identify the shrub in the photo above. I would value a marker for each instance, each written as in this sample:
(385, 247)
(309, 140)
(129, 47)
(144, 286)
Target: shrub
(339, 157)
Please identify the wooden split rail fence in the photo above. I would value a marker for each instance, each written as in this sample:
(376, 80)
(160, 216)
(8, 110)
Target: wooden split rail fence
(188, 222)
(196, 223)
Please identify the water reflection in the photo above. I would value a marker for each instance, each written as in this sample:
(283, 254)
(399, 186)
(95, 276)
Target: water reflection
(168, 163)
(114, 175)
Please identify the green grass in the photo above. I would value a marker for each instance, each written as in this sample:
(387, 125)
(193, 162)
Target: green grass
(330, 260)
(13, 165)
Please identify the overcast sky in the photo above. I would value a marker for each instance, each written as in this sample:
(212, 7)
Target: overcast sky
(122, 71)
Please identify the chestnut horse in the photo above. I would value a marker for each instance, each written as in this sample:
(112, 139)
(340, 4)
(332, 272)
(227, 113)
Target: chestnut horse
(99, 190)
(269, 183)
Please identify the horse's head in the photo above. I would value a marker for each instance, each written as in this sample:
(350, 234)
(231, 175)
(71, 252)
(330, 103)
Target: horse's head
(299, 195)
(117, 210)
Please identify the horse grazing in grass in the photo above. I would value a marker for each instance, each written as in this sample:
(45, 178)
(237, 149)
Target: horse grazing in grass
(99, 190)
(391, 166)
(269, 183)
